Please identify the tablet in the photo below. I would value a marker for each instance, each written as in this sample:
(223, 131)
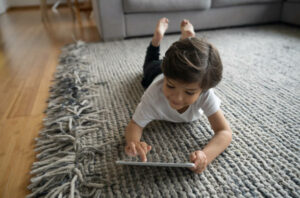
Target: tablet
(178, 165)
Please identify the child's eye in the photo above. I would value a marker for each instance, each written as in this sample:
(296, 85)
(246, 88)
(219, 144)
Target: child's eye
(189, 93)
(169, 86)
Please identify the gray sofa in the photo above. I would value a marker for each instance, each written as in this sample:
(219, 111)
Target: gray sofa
(118, 19)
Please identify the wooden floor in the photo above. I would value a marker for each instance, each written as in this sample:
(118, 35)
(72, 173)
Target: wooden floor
(29, 51)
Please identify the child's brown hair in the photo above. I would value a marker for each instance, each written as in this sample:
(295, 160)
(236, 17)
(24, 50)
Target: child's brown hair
(193, 60)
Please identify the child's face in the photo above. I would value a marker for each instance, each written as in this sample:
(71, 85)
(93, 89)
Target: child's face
(180, 95)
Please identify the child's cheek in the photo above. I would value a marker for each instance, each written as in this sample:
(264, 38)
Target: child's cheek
(165, 92)
(193, 99)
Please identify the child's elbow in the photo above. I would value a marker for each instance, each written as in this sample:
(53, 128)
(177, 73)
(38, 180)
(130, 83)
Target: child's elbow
(226, 135)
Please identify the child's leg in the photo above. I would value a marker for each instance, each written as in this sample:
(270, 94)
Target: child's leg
(153, 49)
(187, 29)
(152, 54)
(152, 64)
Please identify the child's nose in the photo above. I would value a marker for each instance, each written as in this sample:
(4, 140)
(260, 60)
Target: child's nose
(179, 97)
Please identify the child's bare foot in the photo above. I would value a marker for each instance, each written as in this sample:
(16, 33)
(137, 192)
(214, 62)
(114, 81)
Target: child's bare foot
(161, 27)
(187, 29)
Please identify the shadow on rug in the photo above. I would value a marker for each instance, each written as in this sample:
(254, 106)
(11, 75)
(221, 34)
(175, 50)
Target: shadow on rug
(97, 87)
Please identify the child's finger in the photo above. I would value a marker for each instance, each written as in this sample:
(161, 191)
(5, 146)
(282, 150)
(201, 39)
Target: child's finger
(193, 159)
(201, 164)
(141, 153)
(144, 146)
(133, 149)
(149, 148)
(202, 160)
(128, 151)
(197, 167)
(200, 170)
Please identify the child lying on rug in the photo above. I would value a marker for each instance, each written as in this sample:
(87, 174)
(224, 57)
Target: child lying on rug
(179, 89)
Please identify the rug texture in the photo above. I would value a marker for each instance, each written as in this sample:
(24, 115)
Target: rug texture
(97, 88)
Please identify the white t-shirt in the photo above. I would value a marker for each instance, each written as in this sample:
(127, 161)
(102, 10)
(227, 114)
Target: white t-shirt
(155, 106)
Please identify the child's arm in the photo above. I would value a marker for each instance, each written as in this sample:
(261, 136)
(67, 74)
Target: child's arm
(133, 134)
(219, 142)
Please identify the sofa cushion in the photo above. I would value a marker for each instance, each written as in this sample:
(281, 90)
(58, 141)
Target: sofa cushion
(225, 3)
(142, 6)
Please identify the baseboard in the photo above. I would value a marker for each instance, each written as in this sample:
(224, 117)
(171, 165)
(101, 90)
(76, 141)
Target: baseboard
(33, 7)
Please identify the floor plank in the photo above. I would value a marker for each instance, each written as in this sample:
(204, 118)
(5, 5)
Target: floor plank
(29, 51)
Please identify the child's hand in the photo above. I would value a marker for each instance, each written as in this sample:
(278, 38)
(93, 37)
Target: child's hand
(200, 161)
(140, 148)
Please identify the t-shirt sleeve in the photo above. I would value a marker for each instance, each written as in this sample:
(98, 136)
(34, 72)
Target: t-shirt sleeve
(210, 103)
(144, 113)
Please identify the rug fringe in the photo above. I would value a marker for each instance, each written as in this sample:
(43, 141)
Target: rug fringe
(61, 165)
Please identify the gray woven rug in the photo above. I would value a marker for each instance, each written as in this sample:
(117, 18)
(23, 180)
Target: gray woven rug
(97, 87)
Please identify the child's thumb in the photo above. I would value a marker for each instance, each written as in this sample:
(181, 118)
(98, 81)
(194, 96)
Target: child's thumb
(149, 147)
(193, 156)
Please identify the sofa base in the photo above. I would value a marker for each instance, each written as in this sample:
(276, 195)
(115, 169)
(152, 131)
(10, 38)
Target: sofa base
(144, 24)
(291, 13)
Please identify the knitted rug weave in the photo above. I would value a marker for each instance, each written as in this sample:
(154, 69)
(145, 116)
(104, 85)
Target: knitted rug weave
(97, 88)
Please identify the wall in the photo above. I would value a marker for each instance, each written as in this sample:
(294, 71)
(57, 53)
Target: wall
(3, 6)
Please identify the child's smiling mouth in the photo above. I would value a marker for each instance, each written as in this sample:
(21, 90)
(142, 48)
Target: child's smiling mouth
(176, 104)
